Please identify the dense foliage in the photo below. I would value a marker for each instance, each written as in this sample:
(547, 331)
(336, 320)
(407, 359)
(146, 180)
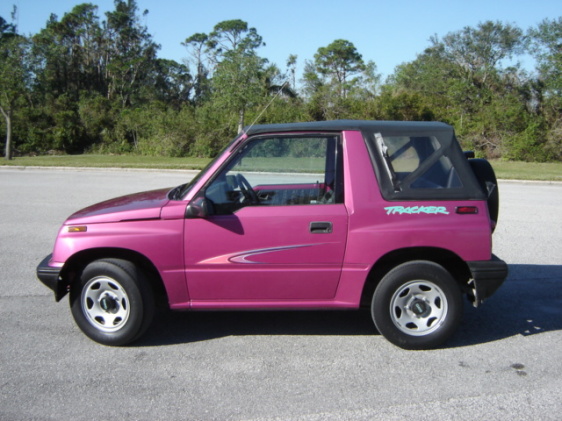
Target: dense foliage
(90, 83)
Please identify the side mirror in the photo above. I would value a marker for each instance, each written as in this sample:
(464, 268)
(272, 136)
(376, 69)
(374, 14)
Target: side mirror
(200, 207)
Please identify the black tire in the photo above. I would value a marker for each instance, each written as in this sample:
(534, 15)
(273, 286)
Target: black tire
(112, 302)
(487, 179)
(417, 305)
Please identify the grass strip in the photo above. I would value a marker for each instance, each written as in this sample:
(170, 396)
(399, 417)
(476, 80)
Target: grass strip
(510, 170)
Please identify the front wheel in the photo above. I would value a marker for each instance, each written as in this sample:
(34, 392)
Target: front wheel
(417, 305)
(111, 302)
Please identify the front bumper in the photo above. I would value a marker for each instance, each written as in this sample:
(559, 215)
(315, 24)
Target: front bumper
(487, 277)
(50, 276)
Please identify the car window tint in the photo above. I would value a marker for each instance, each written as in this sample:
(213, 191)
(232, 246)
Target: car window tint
(407, 154)
(278, 171)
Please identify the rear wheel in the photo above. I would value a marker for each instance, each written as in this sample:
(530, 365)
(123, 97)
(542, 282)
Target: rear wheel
(417, 305)
(112, 302)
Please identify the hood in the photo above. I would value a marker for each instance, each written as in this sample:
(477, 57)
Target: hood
(145, 205)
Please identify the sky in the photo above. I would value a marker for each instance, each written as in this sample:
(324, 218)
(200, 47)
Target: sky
(389, 32)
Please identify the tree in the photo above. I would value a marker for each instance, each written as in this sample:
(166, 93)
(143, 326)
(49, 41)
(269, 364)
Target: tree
(14, 76)
(467, 78)
(339, 61)
(292, 67)
(69, 65)
(434, 78)
(337, 80)
(237, 84)
(171, 83)
(232, 36)
(546, 46)
(7, 29)
(131, 53)
(481, 51)
(237, 78)
(197, 46)
(79, 59)
(70, 53)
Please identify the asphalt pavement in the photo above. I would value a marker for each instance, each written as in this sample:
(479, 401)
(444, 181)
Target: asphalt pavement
(504, 363)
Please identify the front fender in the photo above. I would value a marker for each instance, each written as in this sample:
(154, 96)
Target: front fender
(159, 242)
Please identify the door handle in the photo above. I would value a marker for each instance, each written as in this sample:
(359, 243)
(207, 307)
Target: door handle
(321, 227)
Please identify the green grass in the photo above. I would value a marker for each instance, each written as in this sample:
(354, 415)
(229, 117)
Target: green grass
(108, 161)
(551, 171)
(286, 165)
(515, 170)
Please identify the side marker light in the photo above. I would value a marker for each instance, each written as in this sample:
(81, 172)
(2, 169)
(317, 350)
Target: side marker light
(467, 210)
(78, 228)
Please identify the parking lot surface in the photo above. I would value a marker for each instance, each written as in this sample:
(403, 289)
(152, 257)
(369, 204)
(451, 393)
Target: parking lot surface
(504, 363)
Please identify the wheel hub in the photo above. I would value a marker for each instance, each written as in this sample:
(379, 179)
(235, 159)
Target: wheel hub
(109, 303)
(105, 304)
(419, 307)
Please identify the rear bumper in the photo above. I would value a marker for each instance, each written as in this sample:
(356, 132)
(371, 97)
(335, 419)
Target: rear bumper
(50, 276)
(487, 277)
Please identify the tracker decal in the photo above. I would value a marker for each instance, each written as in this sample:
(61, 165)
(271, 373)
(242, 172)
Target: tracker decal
(416, 210)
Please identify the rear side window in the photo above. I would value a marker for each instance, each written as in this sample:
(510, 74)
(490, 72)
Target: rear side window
(417, 162)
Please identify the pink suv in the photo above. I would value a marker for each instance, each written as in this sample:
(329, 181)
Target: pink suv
(323, 215)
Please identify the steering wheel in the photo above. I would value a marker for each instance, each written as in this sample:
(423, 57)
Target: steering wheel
(247, 190)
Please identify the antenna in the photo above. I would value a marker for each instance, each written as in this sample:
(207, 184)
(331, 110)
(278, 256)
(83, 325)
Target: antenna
(266, 107)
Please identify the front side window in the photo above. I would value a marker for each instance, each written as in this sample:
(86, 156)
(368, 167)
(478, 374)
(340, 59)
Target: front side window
(279, 171)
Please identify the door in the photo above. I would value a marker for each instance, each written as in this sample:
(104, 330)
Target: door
(277, 225)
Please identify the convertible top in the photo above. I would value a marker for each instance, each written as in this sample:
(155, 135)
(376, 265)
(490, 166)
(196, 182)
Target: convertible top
(388, 128)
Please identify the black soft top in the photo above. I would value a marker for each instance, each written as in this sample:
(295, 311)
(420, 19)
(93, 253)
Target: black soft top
(387, 128)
